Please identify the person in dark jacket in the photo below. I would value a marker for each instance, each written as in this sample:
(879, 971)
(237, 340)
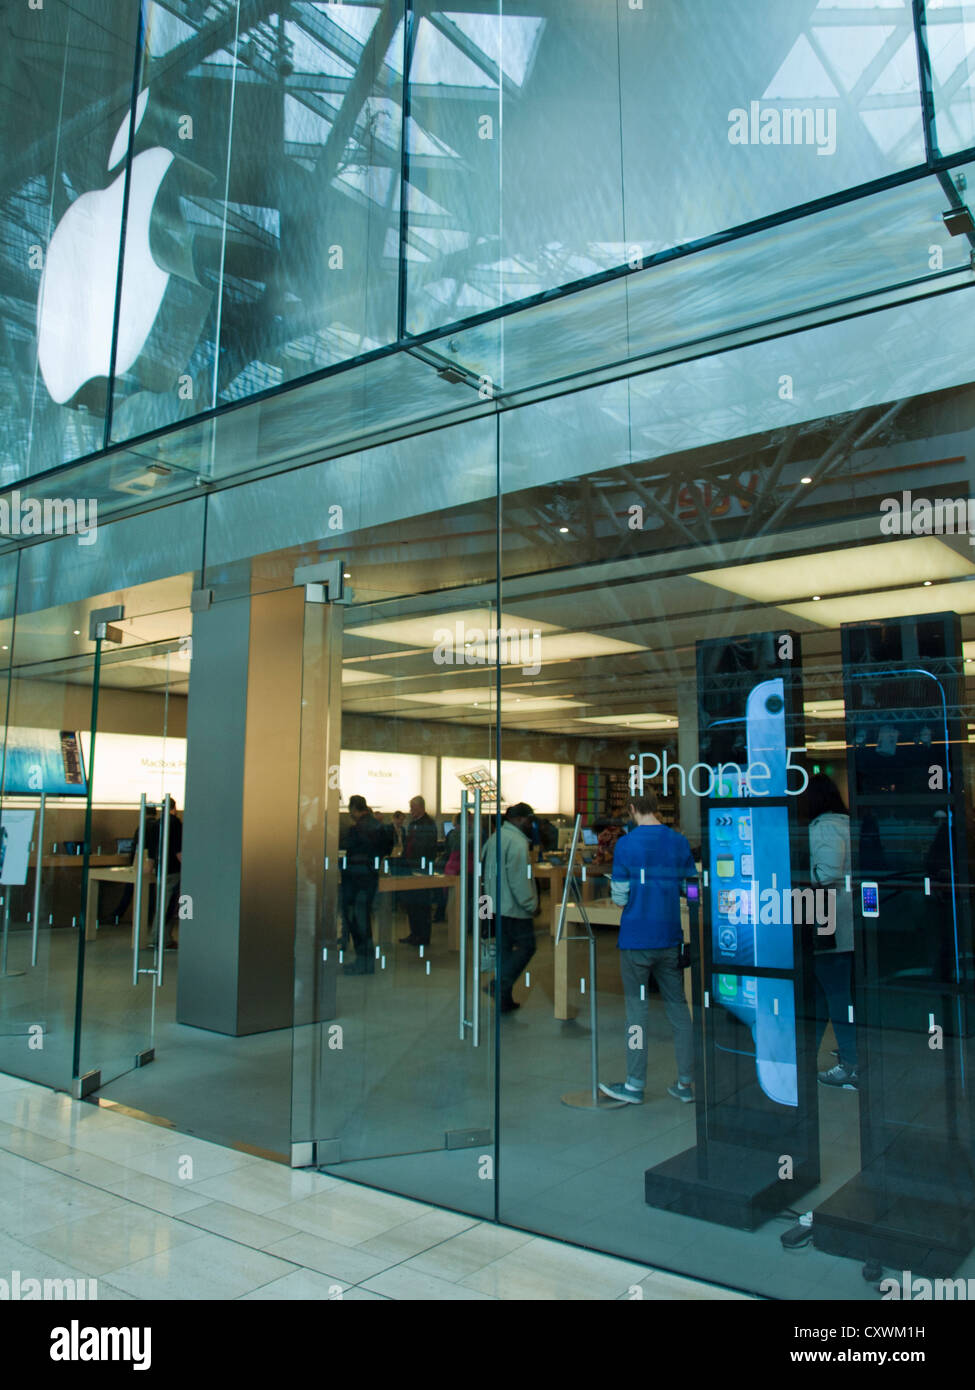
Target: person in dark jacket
(363, 843)
(420, 851)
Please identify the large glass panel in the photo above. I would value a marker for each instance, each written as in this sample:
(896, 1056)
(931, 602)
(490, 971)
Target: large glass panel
(779, 103)
(61, 793)
(394, 1024)
(757, 634)
(866, 254)
(65, 93)
(515, 180)
(949, 35)
(138, 782)
(558, 151)
(178, 216)
(370, 402)
(43, 823)
(275, 229)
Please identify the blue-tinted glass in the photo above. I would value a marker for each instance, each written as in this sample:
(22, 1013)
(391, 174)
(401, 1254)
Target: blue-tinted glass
(65, 89)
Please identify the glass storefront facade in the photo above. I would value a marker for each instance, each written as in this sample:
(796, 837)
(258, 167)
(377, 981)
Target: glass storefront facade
(508, 403)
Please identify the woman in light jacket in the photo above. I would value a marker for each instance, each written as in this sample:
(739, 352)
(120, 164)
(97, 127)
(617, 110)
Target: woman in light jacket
(829, 865)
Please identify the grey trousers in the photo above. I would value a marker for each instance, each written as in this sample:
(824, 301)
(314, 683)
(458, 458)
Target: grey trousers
(636, 967)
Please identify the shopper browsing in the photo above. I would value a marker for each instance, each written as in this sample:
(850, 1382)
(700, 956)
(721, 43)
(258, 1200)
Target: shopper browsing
(649, 865)
(364, 841)
(418, 854)
(514, 898)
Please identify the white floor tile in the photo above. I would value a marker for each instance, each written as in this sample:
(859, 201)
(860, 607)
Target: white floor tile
(329, 1257)
(110, 1239)
(187, 1161)
(350, 1214)
(259, 1232)
(407, 1285)
(208, 1268)
(262, 1187)
(300, 1285)
(543, 1269)
(470, 1251)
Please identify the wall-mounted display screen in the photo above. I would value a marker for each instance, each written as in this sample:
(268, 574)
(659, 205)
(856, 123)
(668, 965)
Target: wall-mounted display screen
(545, 786)
(126, 765)
(387, 780)
(44, 760)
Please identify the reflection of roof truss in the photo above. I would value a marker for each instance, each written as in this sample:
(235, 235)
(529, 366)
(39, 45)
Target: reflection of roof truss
(746, 493)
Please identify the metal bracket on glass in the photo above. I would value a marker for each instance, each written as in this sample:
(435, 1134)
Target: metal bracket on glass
(324, 582)
(467, 1138)
(201, 600)
(99, 620)
(83, 1086)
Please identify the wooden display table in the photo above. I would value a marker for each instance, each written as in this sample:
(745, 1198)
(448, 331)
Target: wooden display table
(411, 883)
(601, 914)
(121, 873)
(554, 875)
(75, 861)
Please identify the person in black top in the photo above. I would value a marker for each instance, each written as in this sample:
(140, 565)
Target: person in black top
(420, 851)
(365, 841)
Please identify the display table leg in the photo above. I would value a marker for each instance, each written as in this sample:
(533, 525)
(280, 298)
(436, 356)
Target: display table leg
(453, 915)
(556, 887)
(562, 952)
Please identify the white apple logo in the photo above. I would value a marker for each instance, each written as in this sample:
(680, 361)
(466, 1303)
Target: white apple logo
(76, 306)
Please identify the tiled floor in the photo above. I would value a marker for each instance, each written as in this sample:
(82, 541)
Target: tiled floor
(87, 1192)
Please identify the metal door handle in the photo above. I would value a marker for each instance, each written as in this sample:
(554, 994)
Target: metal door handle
(137, 900)
(37, 880)
(162, 876)
(477, 920)
(463, 1024)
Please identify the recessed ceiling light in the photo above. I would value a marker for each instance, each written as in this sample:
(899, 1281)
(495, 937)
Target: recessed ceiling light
(471, 629)
(630, 721)
(817, 598)
(862, 572)
(927, 583)
(563, 530)
(806, 479)
(77, 632)
(346, 575)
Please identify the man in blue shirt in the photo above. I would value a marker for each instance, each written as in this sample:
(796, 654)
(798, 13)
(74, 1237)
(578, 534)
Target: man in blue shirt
(649, 866)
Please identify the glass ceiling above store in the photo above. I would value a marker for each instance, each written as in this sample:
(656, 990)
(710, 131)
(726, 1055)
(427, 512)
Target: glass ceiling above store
(547, 222)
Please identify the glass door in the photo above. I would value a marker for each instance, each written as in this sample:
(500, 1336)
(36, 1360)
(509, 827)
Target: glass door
(132, 849)
(394, 1039)
(42, 817)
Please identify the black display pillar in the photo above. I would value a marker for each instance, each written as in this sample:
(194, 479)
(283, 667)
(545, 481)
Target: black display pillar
(757, 1147)
(912, 1205)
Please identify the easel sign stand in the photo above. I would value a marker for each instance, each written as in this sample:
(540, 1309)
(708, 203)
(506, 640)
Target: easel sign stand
(593, 1099)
